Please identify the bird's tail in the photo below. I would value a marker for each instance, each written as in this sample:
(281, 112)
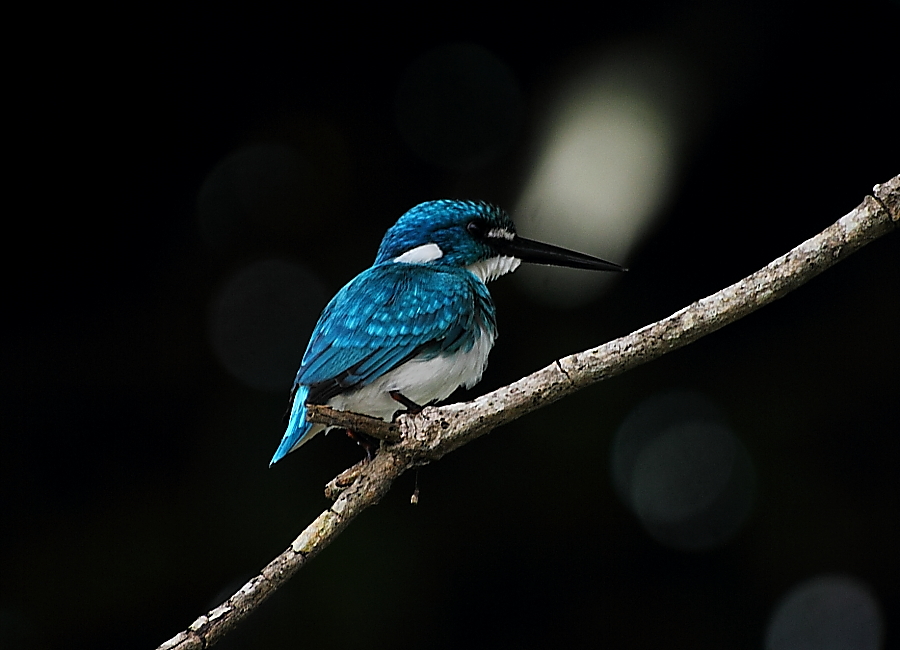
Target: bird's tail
(298, 429)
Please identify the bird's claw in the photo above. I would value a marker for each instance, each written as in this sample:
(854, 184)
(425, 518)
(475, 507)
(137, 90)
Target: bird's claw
(367, 442)
(411, 407)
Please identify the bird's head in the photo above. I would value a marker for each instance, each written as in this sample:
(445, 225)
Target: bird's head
(473, 235)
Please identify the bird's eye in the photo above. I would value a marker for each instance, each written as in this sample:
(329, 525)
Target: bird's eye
(476, 228)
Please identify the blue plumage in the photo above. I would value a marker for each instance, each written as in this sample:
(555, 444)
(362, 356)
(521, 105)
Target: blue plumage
(420, 321)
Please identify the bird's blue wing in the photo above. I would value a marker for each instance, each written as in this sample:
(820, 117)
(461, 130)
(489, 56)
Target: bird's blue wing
(383, 317)
(388, 314)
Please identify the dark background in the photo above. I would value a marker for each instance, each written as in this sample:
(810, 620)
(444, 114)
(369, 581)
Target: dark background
(135, 487)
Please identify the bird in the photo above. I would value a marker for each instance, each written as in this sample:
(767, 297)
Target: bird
(418, 323)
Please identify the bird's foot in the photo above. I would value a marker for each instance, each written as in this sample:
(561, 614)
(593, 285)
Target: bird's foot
(411, 407)
(365, 441)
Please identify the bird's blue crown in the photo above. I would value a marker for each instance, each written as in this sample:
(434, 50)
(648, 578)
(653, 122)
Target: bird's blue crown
(446, 232)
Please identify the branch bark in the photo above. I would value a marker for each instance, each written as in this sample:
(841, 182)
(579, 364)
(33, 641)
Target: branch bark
(420, 439)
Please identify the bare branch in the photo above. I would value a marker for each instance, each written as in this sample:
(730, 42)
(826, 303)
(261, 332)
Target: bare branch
(439, 430)
(375, 427)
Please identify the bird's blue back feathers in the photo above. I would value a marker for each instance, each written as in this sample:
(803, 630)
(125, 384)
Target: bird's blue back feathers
(391, 311)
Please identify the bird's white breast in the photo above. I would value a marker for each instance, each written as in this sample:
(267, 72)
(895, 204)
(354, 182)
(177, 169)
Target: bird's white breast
(421, 380)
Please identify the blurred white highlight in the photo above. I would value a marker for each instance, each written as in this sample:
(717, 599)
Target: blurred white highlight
(608, 162)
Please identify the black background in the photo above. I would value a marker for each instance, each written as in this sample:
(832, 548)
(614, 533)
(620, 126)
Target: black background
(135, 487)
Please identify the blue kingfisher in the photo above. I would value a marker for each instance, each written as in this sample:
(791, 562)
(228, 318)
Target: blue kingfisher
(419, 322)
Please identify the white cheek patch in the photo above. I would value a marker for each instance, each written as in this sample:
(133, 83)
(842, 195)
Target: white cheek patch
(419, 254)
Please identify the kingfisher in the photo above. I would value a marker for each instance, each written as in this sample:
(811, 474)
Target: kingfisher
(419, 322)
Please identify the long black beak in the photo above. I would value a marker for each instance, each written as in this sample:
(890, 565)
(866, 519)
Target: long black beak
(537, 252)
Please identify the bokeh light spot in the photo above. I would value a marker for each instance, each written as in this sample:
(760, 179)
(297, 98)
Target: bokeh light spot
(680, 473)
(267, 185)
(678, 466)
(261, 320)
(829, 612)
(611, 146)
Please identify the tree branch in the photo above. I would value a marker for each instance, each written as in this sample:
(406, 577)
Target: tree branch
(419, 439)
(375, 427)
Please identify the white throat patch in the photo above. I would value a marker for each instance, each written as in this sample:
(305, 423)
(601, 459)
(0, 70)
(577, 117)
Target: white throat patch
(419, 254)
(492, 268)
